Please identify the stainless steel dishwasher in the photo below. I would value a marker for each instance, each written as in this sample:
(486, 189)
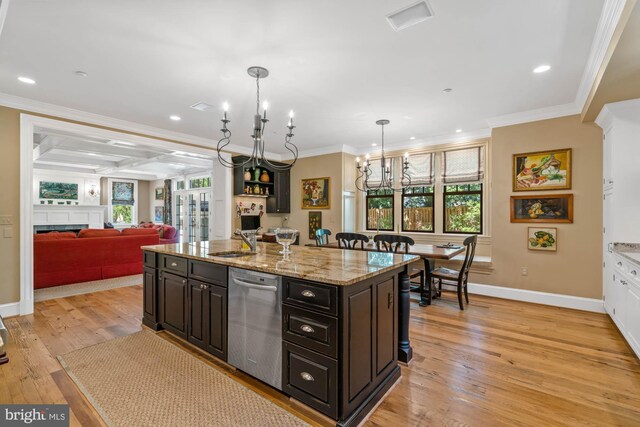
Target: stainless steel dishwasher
(255, 324)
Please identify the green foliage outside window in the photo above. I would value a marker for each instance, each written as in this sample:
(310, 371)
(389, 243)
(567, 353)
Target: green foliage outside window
(463, 208)
(380, 210)
(122, 214)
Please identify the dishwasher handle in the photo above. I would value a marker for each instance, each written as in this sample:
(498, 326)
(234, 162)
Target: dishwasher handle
(254, 285)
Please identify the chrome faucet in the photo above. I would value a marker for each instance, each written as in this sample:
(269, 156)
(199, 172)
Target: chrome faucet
(249, 240)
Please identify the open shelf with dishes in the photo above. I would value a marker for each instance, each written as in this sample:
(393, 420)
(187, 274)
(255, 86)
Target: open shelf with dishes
(262, 181)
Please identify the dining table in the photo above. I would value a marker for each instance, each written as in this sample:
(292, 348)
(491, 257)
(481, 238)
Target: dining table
(429, 254)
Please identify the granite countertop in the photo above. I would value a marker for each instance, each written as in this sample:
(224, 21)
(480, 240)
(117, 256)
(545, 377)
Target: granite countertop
(630, 251)
(333, 266)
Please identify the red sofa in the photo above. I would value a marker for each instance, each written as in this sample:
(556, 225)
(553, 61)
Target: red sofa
(61, 258)
(168, 233)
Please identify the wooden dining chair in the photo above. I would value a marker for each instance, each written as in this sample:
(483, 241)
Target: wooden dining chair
(398, 243)
(351, 240)
(458, 277)
(322, 236)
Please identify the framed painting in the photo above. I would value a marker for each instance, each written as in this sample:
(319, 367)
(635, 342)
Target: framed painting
(315, 193)
(158, 214)
(548, 208)
(542, 239)
(542, 170)
(315, 223)
(58, 190)
(159, 193)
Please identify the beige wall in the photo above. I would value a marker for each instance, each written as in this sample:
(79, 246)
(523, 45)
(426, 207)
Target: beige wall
(10, 204)
(317, 167)
(144, 202)
(576, 268)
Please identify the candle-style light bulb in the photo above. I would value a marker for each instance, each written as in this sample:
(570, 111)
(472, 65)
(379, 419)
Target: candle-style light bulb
(358, 161)
(225, 107)
(265, 106)
(367, 156)
(406, 157)
(290, 118)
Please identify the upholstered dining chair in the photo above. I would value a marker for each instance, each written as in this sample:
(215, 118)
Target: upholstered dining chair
(322, 236)
(351, 240)
(458, 277)
(400, 244)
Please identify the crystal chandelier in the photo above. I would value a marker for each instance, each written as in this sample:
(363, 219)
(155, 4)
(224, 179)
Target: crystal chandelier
(386, 172)
(259, 123)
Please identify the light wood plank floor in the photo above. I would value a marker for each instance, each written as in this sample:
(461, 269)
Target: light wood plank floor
(498, 363)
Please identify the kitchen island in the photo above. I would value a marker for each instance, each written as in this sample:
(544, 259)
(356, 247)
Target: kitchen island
(344, 315)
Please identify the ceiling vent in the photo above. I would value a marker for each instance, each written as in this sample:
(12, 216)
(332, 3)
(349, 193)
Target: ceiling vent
(202, 106)
(410, 15)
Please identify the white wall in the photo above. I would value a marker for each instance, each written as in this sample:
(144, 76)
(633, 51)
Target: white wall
(158, 183)
(84, 182)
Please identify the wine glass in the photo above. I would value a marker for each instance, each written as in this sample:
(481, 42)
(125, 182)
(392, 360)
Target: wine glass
(286, 236)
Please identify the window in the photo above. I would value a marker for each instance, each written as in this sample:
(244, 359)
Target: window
(417, 209)
(463, 208)
(122, 202)
(380, 210)
(180, 185)
(203, 182)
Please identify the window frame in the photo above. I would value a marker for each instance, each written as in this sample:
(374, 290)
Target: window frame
(462, 193)
(134, 214)
(433, 206)
(393, 210)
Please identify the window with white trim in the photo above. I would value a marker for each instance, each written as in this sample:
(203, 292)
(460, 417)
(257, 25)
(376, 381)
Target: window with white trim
(122, 203)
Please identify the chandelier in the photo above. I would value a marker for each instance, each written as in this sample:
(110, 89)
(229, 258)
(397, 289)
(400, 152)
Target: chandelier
(385, 181)
(259, 123)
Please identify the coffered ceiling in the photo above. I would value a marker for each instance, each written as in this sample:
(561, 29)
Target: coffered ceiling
(338, 64)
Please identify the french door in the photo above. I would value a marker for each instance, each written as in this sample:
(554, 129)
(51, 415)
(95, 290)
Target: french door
(192, 212)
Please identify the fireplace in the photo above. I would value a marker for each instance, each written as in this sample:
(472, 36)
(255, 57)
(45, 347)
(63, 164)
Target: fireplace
(40, 229)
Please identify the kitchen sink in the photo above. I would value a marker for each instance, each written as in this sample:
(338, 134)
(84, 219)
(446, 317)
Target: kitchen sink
(231, 254)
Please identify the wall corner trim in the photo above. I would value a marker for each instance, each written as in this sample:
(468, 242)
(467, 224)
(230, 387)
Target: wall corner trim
(556, 300)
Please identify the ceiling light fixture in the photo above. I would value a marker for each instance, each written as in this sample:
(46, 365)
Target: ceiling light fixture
(458, 130)
(386, 173)
(81, 74)
(27, 80)
(412, 138)
(175, 118)
(259, 123)
(541, 69)
(374, 145)
(447, 90)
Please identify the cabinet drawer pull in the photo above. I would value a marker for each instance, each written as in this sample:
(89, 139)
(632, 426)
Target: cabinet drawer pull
(184, 281)
(307, 376)
(174, 264)
(307, 293)
(307, 329)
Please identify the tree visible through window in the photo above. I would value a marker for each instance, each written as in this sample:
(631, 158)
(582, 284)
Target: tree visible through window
(463, 208)
(122, 214)
(417, 209)
(380, 210)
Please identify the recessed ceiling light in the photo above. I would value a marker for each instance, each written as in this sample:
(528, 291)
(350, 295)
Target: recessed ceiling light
(374, 145)
(458, 130)
(412, 138)
(175, 118)
(81, 74)
(27, 80)
(541, 69)
(447, 90)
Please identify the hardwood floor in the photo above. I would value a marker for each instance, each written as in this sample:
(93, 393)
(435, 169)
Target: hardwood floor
(498, 363)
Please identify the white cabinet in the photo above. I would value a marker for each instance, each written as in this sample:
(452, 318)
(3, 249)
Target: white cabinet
(620, 123)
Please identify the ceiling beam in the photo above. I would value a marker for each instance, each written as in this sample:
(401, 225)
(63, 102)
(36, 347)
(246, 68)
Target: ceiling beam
(47, 144)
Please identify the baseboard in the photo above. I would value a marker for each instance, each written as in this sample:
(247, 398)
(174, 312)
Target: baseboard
(10, 310)
(557, 300)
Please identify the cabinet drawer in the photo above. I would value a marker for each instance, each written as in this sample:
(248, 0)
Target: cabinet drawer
(205, 271)
(174, 264)
(311, 378)
(149, 259)
(311, 330)
(310, 295)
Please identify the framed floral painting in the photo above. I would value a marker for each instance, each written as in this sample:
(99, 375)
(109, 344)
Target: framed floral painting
(315, 193)
(315, 223)
(542, 239)
(542, 170)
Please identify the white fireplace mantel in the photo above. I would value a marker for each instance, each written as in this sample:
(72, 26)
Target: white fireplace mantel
(93, 216)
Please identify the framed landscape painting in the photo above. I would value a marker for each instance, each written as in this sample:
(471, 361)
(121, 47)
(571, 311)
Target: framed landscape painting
(548, 208)
(315, 223)
(315, 193)
(543, 170)
(542, 239)
(58, 190)
(159, 193)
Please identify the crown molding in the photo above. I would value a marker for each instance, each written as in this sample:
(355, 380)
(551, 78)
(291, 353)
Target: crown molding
(39, 107)
(534, 115)
(609, 19)
(331, 149)
(629, 109)
(4, 7)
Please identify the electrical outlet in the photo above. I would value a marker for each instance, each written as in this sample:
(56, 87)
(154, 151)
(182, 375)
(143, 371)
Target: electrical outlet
(524, 271)
(8, 232)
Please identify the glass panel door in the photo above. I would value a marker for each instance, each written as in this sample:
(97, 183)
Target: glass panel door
(192, 213)
(192, 224)
(205, 197)
(179, 216)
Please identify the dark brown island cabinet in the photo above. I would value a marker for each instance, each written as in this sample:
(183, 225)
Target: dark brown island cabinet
(344, 337)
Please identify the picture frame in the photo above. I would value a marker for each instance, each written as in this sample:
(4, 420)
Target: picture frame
(58, 190)
(315, 223)
(158, 214)
(315, 193)
(542, 170)
(159, 193)
(542, 239)
(556, 208)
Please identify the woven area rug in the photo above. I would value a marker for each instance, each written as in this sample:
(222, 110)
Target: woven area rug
(143, 380)
(86, 287)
